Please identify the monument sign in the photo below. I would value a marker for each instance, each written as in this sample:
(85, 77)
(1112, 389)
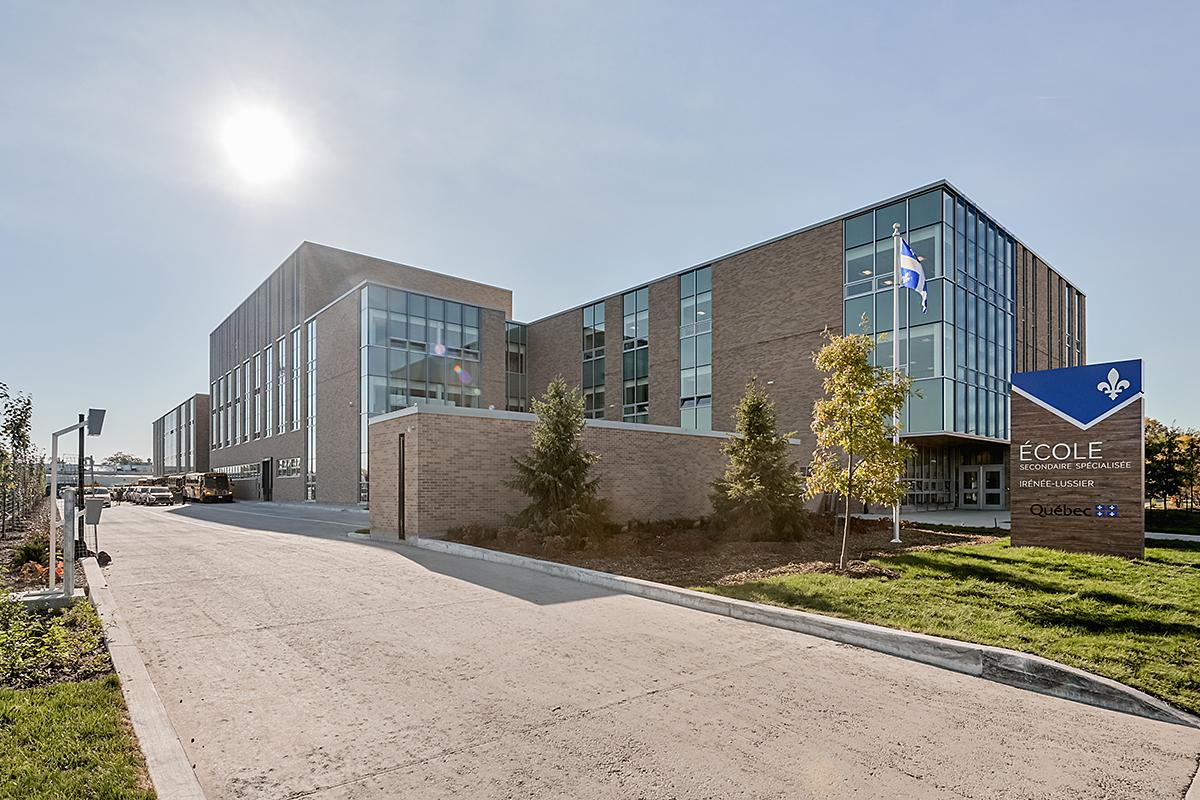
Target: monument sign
(1077, 464)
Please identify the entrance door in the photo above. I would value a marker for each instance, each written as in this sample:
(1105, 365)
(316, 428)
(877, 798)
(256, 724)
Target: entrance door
(267, 476)
(993, 487)
(968, 487)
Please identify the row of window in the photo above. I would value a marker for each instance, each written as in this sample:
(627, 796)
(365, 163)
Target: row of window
(245, 405)
(242, 472)
(284, 468)
(175, 447)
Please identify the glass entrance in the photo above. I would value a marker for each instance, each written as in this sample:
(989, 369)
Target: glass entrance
(981, 487)
(993, 487)
(968, 487)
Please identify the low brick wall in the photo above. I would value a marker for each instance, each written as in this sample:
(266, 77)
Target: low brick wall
(456, 462)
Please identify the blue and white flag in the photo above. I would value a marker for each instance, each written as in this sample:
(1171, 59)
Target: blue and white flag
(912, 274)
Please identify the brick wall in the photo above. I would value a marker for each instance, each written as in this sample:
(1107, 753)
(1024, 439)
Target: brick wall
(553, 347)
(455, 475)
(770, 307)
(1042, 350)
(493, 355)
(338, 393)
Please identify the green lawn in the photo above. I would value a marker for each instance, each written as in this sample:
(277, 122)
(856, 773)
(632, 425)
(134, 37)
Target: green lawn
(69, 740)
(1137, 622)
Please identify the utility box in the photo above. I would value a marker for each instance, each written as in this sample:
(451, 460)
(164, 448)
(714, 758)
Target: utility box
(92, 506)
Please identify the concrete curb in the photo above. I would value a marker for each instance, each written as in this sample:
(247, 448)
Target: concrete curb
(1009, 667)
(1176, 537)
(170, 769)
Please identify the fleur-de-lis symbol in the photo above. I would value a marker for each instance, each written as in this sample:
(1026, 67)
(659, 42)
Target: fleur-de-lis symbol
(1114, 385)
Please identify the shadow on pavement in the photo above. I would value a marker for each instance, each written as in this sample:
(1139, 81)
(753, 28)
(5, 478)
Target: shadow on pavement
(523, 584)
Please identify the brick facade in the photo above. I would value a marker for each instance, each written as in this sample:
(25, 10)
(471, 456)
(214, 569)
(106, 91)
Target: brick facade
(456, 462)
(771, 303)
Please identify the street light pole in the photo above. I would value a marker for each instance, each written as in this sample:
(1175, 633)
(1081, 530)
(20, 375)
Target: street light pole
(79, 493)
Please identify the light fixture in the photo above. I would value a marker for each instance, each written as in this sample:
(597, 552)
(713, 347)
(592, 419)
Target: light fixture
(868, 272)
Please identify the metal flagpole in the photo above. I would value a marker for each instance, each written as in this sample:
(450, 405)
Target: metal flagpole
(896, 359)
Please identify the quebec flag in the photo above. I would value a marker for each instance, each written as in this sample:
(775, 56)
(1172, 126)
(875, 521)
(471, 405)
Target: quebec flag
(912, 274)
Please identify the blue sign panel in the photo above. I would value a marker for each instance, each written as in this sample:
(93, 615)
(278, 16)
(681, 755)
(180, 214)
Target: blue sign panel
(1083, 395)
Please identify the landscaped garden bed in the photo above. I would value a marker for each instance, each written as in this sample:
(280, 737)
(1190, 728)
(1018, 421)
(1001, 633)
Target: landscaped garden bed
(64, 730)
(692, 553)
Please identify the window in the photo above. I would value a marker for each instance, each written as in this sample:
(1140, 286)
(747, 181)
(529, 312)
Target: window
(695, 349)
(257, 403)
(269, 389)
(296, 379)
(247, 415)
(635, 356)
(592, 380)
(281, 378)
(516, 390)
(310, 475)
(214, 424)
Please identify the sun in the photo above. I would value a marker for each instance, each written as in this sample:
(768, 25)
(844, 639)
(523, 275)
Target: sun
(260, 145)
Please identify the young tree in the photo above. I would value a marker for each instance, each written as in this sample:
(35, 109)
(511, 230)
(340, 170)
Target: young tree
(1165, 460)
(555, 473)
(855, 455)
(761, 489)
(18, 483)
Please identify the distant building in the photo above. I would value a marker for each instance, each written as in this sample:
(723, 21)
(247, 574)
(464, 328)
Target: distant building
(180, 438)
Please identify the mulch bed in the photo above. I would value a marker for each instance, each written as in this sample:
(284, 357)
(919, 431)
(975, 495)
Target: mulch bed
(696, 556)
(20, 578)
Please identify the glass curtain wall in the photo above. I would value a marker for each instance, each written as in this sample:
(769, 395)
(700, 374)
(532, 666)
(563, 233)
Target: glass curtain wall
(635, 356)
(592, 380)
(985, 323)
(414, 349)
(959, 353)
(695, 349)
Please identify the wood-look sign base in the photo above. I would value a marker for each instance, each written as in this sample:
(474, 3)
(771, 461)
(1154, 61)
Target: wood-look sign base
(1077, 463)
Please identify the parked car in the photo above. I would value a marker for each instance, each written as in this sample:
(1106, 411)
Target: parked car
(158, 496)
(99, 491)
(137, 495)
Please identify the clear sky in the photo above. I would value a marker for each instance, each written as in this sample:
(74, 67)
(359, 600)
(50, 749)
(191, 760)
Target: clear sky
(563, 150)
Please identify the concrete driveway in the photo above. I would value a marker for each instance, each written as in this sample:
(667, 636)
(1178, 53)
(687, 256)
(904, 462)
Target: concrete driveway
(297, 662)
